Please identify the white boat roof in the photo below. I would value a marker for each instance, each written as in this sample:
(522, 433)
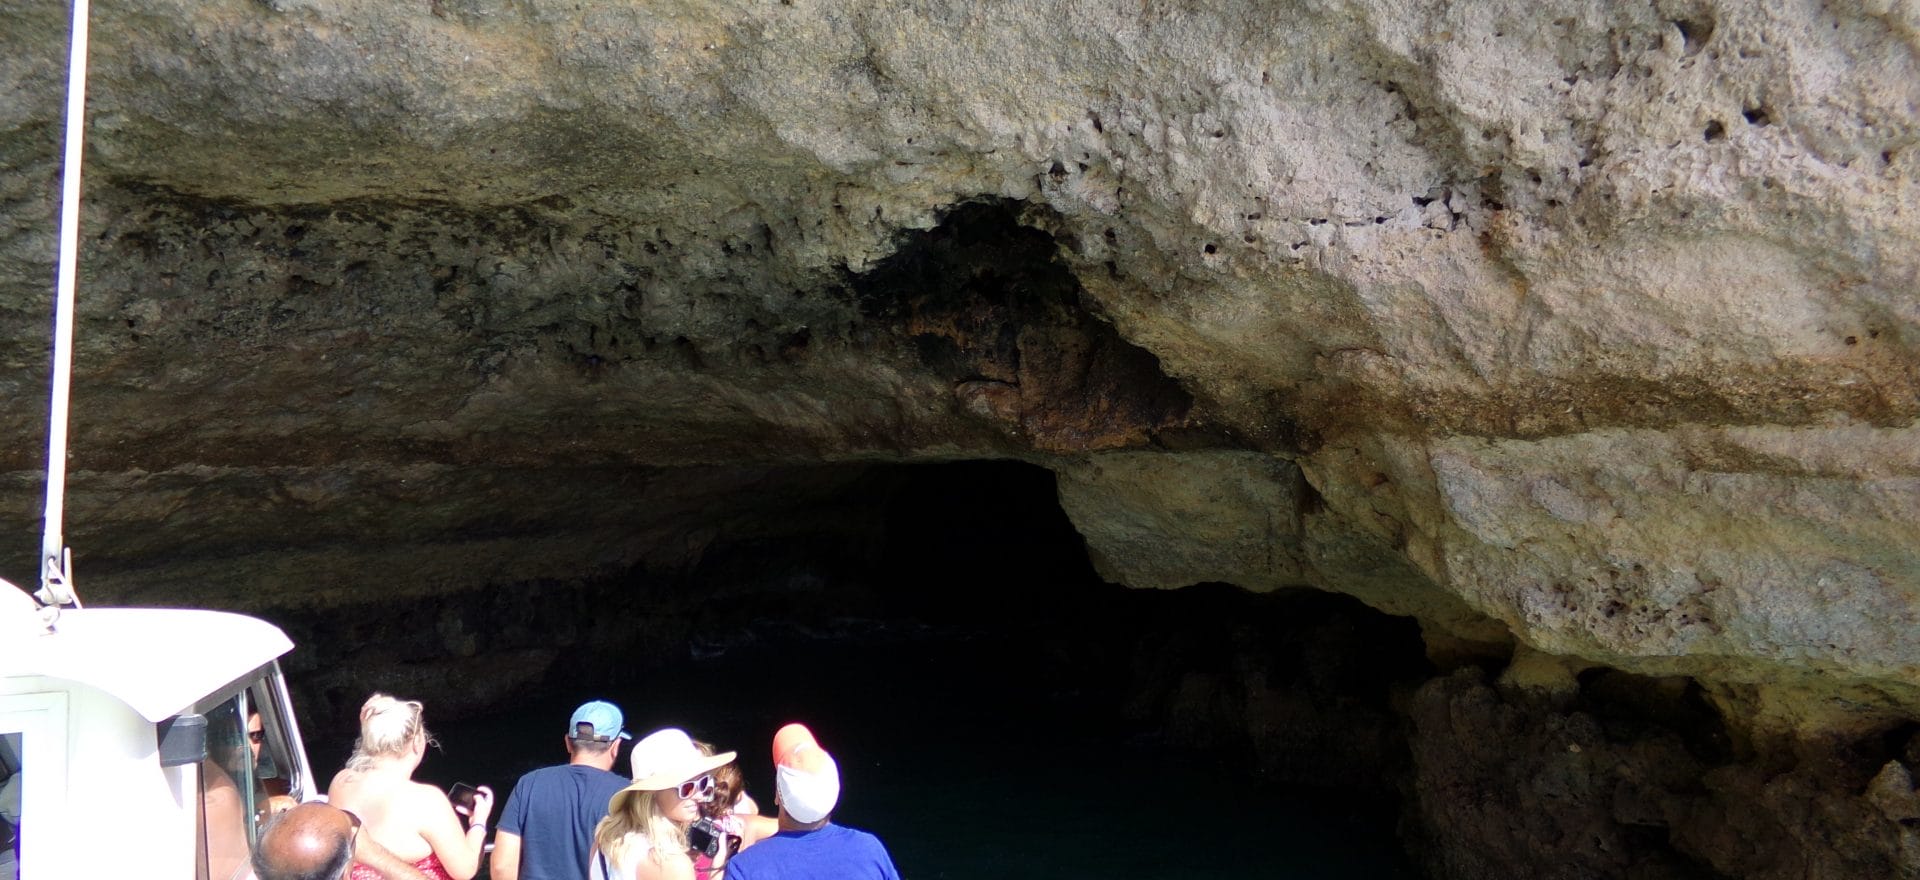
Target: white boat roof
(159, 661)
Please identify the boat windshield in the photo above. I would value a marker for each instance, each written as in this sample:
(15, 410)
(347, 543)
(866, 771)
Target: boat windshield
(248, 775)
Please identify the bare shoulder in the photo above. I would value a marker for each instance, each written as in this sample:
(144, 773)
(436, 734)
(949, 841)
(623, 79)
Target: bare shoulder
(340, 784)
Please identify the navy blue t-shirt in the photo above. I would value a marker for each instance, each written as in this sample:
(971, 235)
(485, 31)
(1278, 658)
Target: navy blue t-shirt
(830, 852)
(553, 810)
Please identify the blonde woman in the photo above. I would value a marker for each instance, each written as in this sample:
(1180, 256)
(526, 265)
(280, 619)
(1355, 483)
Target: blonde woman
(644, 836)
(412, 819)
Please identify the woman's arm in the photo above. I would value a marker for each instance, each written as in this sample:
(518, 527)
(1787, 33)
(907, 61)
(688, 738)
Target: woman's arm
(226, 828)
(757, 828)
(459, 848)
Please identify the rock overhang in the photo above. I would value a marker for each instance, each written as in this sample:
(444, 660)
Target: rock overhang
(1589, 325)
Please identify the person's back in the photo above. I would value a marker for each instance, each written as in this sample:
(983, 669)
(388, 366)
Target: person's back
(389, 807)
(809, 846)
(546, 829)
(320, 840)
(553, 810)
(413, 820)
(830, 852)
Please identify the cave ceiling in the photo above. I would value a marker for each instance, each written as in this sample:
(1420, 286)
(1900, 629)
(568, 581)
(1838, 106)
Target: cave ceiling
(1586, 326)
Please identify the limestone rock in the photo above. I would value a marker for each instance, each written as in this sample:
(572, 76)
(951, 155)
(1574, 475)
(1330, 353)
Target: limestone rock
(1588, 325)
(1158, 520)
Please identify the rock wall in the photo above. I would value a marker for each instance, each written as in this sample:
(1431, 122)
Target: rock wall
(1633, 777)
(1583, 329)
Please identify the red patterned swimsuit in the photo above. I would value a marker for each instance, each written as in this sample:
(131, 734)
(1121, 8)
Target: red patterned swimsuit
(429, 866)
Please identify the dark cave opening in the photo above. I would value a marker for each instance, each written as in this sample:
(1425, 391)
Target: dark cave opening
(943, 627)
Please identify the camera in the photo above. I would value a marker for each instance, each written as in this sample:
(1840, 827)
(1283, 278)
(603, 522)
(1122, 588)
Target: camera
(703, 837)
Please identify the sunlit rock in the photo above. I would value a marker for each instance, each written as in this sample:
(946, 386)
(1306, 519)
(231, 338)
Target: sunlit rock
(1584, 327)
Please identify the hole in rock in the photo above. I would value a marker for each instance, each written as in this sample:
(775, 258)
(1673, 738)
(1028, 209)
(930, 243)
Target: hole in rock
(1694, 33)
(995, 707)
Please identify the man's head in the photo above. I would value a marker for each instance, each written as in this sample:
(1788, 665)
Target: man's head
(309, 842)
(256, 734)
(806, 779)
(594, 733)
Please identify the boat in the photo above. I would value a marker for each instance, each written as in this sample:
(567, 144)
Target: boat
(124, 732)
(134, 742)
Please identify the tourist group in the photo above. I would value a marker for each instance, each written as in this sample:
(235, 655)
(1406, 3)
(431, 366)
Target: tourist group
(684, 815)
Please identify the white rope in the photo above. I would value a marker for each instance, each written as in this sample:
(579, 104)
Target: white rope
(55, 587)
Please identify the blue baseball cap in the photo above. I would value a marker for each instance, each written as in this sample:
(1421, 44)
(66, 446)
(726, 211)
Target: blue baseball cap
(603, 720)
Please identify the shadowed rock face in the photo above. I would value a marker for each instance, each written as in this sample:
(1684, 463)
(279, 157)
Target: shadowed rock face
(1588, 327)
(1633, 778)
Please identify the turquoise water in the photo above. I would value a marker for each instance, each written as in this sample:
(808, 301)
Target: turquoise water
(966, 766)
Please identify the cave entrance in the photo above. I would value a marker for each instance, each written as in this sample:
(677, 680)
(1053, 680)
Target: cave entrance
(995, 707)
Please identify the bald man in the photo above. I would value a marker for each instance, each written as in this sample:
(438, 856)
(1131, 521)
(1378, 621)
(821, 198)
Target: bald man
(318, 842)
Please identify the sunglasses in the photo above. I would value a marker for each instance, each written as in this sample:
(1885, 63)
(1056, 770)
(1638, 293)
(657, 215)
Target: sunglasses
(701, 787)
(256, 736)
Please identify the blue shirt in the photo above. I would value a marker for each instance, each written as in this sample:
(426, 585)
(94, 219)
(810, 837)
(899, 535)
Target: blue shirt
(830, 852)
(553, 810)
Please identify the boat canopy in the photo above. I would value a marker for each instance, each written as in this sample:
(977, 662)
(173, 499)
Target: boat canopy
(159, 661)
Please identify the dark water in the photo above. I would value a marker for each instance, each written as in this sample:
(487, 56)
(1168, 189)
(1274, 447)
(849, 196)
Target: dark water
(972, 674)
(968, 760)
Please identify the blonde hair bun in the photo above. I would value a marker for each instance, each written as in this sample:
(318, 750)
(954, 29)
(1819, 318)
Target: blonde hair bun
(388, 726)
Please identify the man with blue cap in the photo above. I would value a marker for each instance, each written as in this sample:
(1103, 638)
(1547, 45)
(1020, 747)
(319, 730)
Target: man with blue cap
(546, 830)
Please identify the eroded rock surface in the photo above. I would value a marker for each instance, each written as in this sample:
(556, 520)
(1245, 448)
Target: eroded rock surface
(1634, 777)
(1586, 327)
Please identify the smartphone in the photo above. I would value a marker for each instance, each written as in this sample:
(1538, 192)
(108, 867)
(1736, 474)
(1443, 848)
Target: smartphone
(462, 796)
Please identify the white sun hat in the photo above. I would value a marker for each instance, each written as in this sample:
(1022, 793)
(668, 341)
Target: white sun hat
(665, 758)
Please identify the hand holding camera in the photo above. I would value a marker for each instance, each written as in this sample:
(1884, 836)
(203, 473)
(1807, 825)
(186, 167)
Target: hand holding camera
(705, 838)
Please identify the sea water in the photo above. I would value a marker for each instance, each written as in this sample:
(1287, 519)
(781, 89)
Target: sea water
(964, 767)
